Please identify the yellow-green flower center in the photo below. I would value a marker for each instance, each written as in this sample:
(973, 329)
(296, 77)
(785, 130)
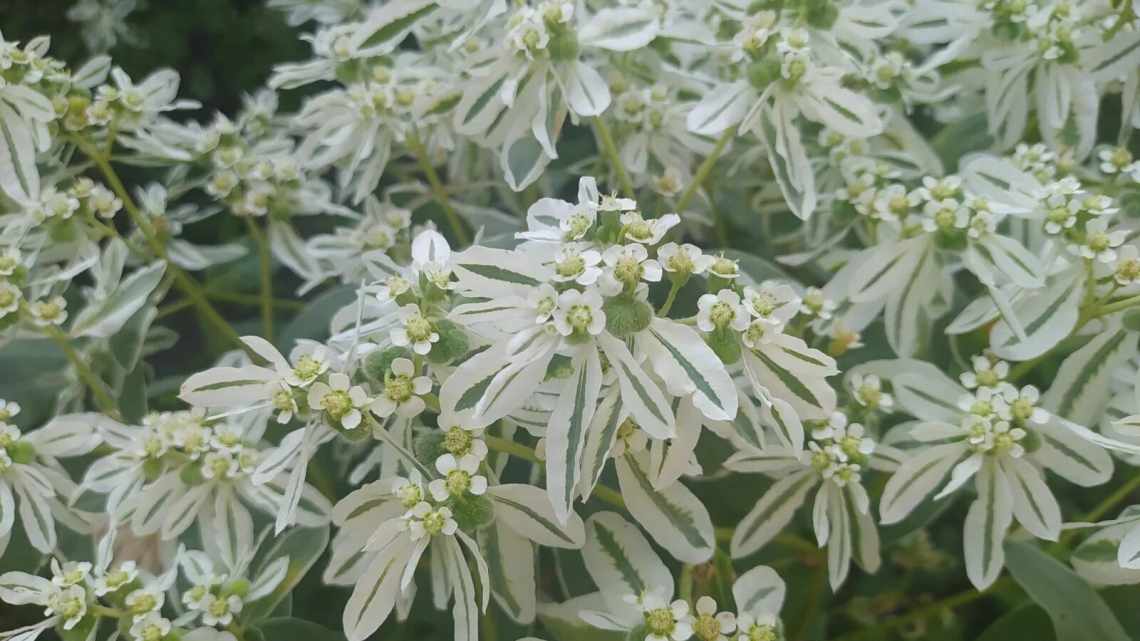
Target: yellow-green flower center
(660, 621)
(398, 387)
(307, 368)
(570, 267)
(706, 627)
(336, 403)
(457, 441)
(418, 329)
(457, 482)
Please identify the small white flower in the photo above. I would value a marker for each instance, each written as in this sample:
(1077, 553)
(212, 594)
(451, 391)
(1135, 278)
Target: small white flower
(459, 477)
(721, 311)
(627, 266)
(114, 580)
(152, 627)
(340, 401)
(683, 259)
(69, 604)
(868, 392)
(402, 391)
(1100, 244)
(49, 312)
(10, 297)
(220, 611)
(8, 409)
(710, 625)
(579, 313)
(647, 232)
(664, 621)
(70, 573)
(424, 521)
(575, 265)
(773, 303)
(415, 331)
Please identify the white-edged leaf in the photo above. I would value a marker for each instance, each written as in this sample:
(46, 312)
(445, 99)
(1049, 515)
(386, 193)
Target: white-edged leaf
(620, 560)
(674, 516)
(772, 513)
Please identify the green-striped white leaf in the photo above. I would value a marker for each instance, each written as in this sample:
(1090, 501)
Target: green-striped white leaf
(689, 365)
(566, 433)
(510, 562)
(986, 524)
(375, 593)
(673, 516)
(772, 513)
(640, 395)
(1034, 505)
(526, 509)
(106, 315)
(915, 479)
(599, 439)
(1081, 390)
(620, 560)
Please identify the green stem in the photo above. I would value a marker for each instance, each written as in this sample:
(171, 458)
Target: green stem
(182, 280)
(878, 631)
(1116, 306)
(265, 267)
(668, 304)
(704, 170)
(102, 397)
(1104, 507)
(686, 590)
(438, 189)
(609, 150)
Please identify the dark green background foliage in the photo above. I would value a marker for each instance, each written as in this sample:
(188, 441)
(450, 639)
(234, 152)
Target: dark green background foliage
(225, 48)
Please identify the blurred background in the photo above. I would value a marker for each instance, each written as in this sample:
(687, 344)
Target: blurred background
(220, 47)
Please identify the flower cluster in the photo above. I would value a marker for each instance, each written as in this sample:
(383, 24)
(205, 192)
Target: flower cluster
(532, 303)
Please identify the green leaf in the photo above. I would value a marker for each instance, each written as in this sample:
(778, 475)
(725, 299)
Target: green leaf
(1077, 611)
(303, 546)
(1027, 623)
(313, 321)
(962, 137)
(294, 629)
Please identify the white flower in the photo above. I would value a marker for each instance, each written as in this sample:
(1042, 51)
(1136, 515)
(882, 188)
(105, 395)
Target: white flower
(579, 313)
(114, 580)
(573, 264)
(48, 312)
(683, 259)
(220, 610)
(868, 392)
(720, 311)
(415, 331)
(69, 604)
(647, 232)
(152, 627)
(70, 573)
(402, 391)
(664, 621)
(1127, 268)
(340, 401)
(987, 373)
(773, 303)
(425, 521)
(8, 409)
(710, 625)
(1100, 244)
(627, 266)
(10, 297)
(459, 477)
